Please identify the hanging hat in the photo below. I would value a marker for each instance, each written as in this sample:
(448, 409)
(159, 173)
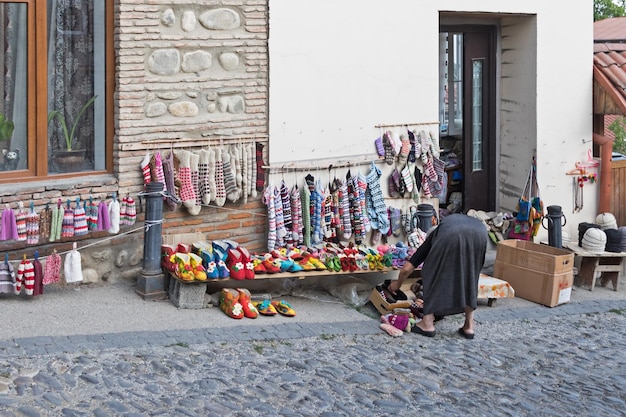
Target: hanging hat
(80, 220)
(131, 211)
(114, 216)
(594, 240)
(606, 221)
(20, 221)
(73, 267)
(32, 227)
(67, 224)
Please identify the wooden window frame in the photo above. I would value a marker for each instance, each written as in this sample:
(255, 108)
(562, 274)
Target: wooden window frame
(37, 95)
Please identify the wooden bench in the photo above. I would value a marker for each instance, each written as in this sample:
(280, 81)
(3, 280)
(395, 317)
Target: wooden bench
(607, 264)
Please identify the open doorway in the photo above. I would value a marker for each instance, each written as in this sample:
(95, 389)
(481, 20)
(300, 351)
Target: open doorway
(467, 114)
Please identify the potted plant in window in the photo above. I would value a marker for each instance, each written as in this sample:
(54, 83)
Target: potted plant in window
(70, 155)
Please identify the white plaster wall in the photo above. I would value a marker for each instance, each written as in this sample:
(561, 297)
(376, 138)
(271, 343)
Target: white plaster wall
(337, 70)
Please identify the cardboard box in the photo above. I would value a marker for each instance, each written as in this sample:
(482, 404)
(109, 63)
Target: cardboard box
(534, 256)
(385, 307)
(539, 287)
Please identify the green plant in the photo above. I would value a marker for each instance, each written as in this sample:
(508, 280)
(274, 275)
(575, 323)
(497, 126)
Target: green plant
(6, 128)
(617, 127)
(69, 136)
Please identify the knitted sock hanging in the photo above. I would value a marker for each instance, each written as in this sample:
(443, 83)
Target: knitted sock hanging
(32, 227)
(245, 160)
(204, 192)
(305, 198)
(56, 223)
(328, 215)
(412, 145)
(268, 200)
(378, 212)
(20, 221)
(159, 175)
(260, 171)
(296, 210)
(316, 201)
(195, 178)
(235, 157)
(220, 189)
(344, 211)
(336, 205)
(405, 149)
(187, 193)
(362, 188)
(230, 183)
(287, 217)
(281, 232)
(172, 200)
(211, 179)
(355, 210)
(145, 169)
(253, 169)
(38, 271)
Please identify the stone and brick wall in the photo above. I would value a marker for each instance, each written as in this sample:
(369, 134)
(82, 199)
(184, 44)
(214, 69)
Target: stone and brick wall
(189, 76)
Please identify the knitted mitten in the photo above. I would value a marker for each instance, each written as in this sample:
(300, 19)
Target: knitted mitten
(20, 221)
(220, 188)
(80, 220)
(67, 226)
(73, 271)
(260, 171)
(230, 183)
(114, 216)
(204, 191)
(32, 228)
(52, 269)
(195, 176)
(187, 193)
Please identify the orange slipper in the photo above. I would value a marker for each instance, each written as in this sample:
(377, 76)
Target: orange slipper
(229, 303)
(249, 310)
(284, 308)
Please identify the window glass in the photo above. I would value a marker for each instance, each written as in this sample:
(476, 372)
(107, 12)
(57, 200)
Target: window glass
(13, 82)
(76, 85)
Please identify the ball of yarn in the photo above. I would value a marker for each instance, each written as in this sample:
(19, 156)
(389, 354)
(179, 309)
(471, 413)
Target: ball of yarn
(594, 240)
(606, 221)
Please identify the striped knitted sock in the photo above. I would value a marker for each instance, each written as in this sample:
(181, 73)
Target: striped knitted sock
(412, 141)
(211, 179)
(92, 215)
(362, 188)
(230, 183)
(20, 221)
(316, 214)
(268, 199)
(131, 211)
(187, 193)
(344, 211)
(296, 210)
(235, 158)
(245, 168)
(390, 153)
(355, 209)
(158, 170)
(45, 223)
(328, 215)
(405, 149)
(287, 217)
(336, 205)
(305, 198)
(281, 232)
(220, 190)
(172, 200)
(123, 212)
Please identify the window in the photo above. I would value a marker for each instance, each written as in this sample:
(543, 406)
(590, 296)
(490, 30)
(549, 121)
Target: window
(57, 69)
(451, 76)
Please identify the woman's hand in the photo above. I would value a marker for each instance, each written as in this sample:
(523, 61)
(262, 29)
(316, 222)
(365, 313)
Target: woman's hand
(394, 286)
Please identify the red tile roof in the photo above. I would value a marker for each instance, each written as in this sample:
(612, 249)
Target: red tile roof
(613, 29)
(609, 58)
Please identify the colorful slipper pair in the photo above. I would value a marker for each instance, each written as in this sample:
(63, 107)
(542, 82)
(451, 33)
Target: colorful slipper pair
(271, 308)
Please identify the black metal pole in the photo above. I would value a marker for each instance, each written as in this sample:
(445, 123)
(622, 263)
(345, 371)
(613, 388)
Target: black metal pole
(151, 280)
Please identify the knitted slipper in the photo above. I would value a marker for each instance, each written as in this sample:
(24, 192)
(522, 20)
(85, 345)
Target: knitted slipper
(265, 308)
(284, 308)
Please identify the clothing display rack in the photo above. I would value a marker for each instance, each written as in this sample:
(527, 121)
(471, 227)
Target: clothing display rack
(314, 164)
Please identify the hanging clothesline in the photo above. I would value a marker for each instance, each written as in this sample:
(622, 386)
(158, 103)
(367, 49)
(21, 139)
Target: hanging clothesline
(314, 165)
(189, 142)
(406, 124)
